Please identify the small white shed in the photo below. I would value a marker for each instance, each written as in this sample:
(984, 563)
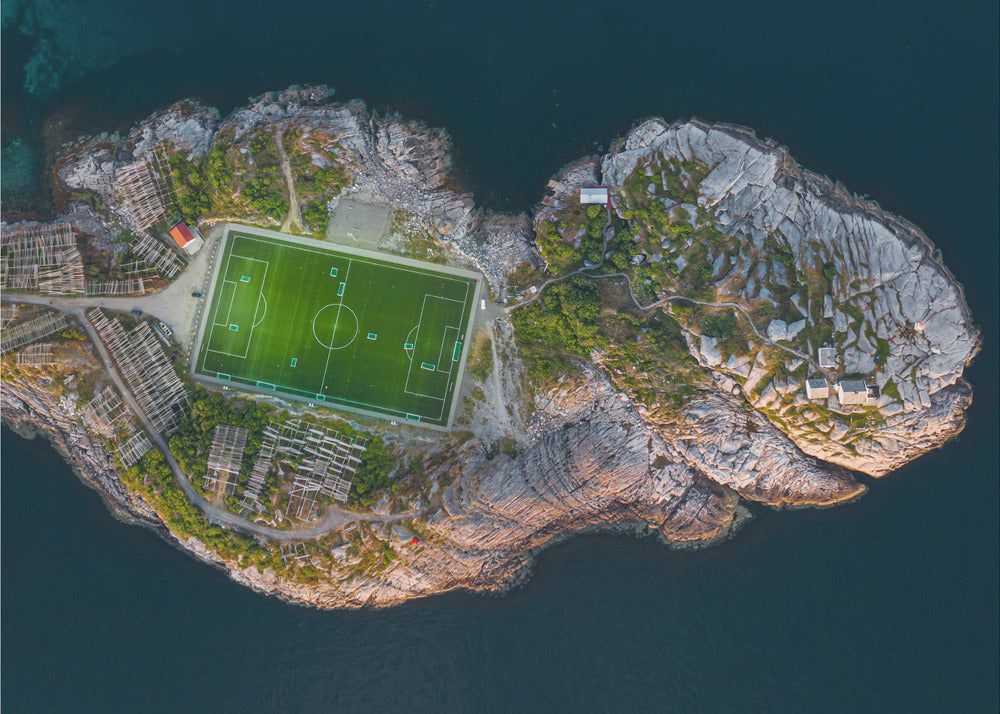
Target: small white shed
(596, 195)
(817, 388)
(851, 392)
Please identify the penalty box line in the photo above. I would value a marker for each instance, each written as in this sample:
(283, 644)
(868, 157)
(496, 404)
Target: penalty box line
(215, 315)
(232, 299)
(444, 340)
(441, 351)
(441, 348)
(253, 324)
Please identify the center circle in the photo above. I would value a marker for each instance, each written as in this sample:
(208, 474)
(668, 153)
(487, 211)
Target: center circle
(335, 326)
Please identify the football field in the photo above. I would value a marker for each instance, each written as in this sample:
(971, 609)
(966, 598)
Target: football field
(337, 326)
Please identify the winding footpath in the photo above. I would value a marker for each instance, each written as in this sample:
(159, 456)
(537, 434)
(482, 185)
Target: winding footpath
(335, 518)
(659, 303)
(293, 221)
(164, 305)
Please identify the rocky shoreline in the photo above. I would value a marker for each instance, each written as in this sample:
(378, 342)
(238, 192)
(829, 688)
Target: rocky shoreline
(588, 455)
(33, 412)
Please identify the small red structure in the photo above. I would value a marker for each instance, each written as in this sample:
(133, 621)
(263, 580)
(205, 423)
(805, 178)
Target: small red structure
(415, 541)
(181, 234)
(185, 239)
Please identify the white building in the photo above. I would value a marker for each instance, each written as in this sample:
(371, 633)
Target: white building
(596, 195)
(186, 239)
(852, 392)
(817, 388)
(827, 357)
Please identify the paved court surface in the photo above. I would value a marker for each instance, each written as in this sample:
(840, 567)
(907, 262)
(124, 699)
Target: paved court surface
(362, 225)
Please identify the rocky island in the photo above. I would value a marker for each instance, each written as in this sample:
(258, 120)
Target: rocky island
(684, 329)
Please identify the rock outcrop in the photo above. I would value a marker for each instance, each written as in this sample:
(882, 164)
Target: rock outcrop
(889, 287)
(32, 409)
(588, 456)
(396, 162)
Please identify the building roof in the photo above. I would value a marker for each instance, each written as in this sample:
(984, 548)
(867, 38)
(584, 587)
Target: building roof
(827, 357)
(852, 386)
(595, 194)
(817, 383)
(181, 234)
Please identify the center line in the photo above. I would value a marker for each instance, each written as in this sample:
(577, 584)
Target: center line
(336, 321)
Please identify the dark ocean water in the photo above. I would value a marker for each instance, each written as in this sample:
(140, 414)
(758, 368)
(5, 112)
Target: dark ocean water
(888, 604)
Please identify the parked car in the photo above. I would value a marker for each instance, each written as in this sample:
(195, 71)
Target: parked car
(166, 330)
(137, 313)
(196, 295)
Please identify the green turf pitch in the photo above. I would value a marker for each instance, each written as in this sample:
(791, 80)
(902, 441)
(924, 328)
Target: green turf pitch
(301, 327)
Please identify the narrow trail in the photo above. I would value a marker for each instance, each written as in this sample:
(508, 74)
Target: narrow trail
(659, 303)
(293, 221)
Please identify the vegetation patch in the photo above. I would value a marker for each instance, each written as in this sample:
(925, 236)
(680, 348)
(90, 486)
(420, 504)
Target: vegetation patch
(583, 321)
(236, 178)
(319, 170)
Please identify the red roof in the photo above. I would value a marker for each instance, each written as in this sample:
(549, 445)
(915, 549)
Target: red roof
(181, 234)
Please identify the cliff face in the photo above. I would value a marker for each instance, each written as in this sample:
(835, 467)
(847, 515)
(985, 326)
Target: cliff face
(588, 456)
(598, 464)
(31, 408)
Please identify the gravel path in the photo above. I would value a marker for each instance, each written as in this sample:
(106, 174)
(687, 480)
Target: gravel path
(174, 305)
(658, 303)
(293, 221)
(335, 517)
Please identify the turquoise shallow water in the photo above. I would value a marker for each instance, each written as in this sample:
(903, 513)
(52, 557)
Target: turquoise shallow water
(886, 604)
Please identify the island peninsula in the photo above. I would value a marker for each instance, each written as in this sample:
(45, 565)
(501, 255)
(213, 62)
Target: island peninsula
(288, 340)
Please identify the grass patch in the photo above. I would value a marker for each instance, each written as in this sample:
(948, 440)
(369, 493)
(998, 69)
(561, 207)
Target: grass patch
(290, 306)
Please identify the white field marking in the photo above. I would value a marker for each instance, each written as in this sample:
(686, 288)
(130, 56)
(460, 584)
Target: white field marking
(315, 336)
(450, 383)
(426, 396)
(329, 351)
(231, 300)
(330, 398)
(264, 299)
(444, 338)
(260, 296)
(392, 266)
(406, 386)
(223, 273)
(420, 320)
(441, 297)
(357, 329)
(409, 353)
(254, 325)
(378, 408)
(220, 352)
(247, 257)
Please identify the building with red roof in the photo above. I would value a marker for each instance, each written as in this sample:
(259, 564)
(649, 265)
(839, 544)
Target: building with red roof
(186, 239)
